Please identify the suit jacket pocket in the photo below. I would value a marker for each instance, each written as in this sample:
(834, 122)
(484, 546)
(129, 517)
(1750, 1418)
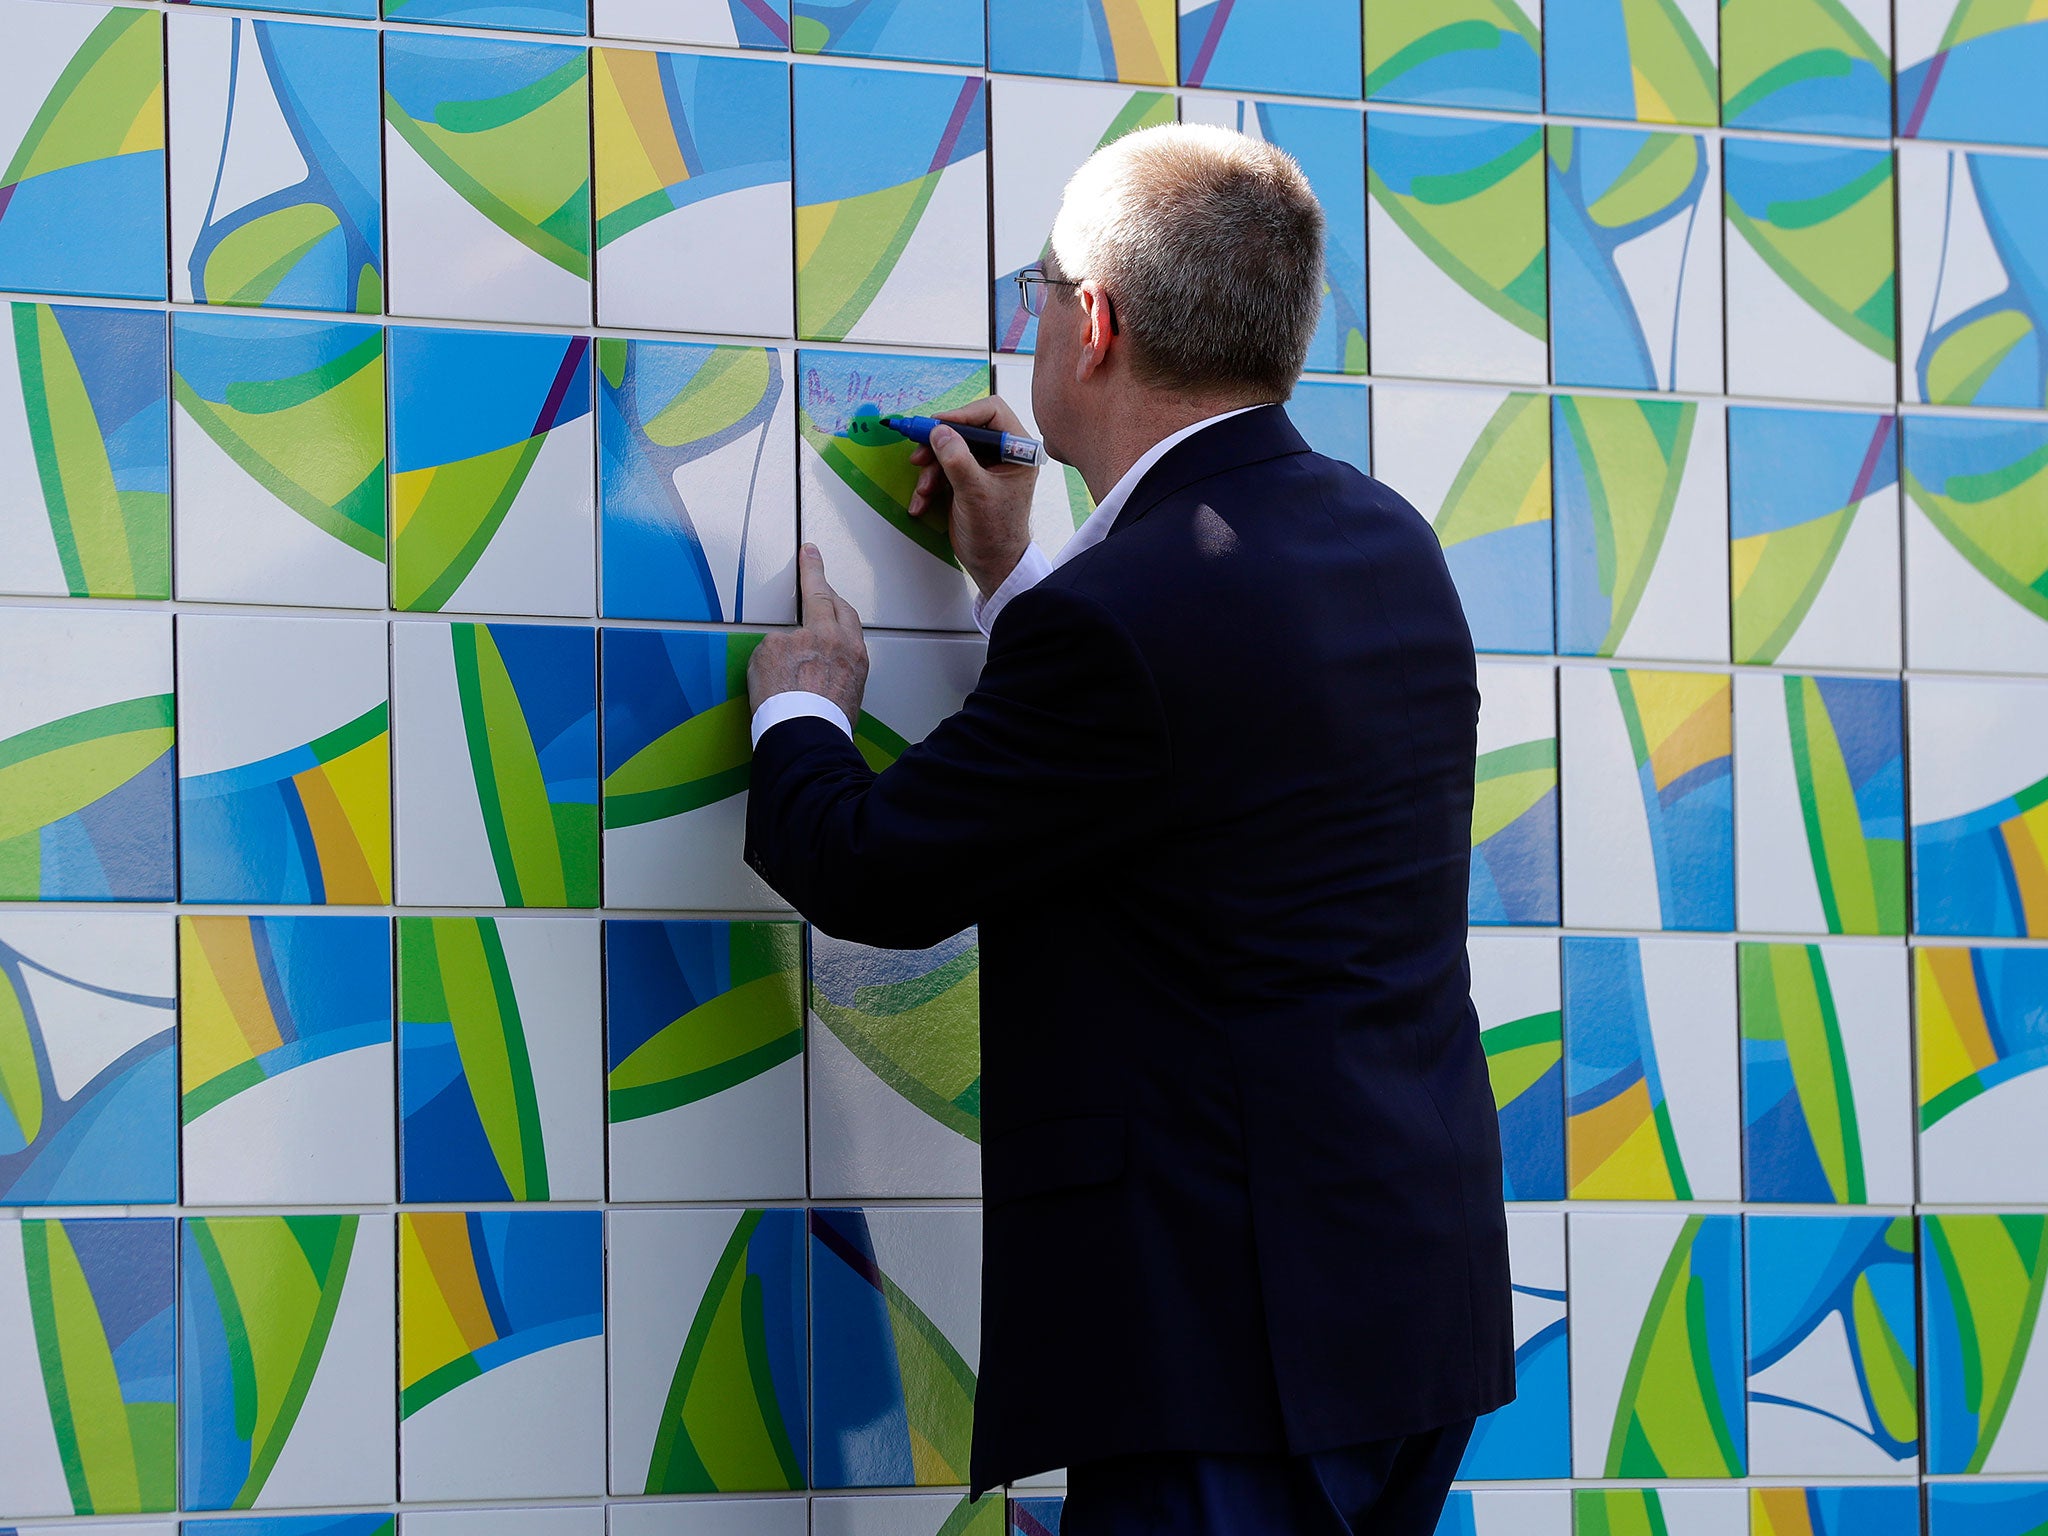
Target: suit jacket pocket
(1052, 1155)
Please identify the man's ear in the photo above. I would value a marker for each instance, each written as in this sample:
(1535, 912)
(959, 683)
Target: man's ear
(1098, 330)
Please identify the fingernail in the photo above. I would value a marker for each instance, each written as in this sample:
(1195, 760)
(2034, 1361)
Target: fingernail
(811, 549)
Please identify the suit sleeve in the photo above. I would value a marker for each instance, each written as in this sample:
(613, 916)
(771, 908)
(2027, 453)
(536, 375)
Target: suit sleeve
(1050, 765)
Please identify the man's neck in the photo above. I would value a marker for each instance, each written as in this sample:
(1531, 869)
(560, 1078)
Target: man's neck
(1135, 426)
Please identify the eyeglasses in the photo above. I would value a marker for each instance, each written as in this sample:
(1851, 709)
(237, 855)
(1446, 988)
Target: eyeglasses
(1032, 283)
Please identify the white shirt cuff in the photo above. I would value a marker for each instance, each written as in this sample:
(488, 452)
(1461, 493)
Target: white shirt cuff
(1030, 571)
(796, 705)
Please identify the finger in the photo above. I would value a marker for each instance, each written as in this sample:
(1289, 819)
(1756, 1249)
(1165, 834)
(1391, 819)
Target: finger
(929, 493)
(989, 411)
(920, 455)
(820, 602)
(956, 458)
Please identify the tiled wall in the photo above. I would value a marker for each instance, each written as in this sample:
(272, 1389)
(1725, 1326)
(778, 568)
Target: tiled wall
(407, 430)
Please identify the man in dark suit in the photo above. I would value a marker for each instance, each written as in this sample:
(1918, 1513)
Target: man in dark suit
(1245, 1257)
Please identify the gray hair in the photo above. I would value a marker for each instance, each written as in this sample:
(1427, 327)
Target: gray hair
(1210, 247)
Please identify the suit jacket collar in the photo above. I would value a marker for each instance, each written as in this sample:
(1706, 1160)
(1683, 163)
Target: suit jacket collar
(1252, 438)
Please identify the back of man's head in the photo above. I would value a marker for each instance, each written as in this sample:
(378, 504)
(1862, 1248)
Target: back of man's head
(1210, 247)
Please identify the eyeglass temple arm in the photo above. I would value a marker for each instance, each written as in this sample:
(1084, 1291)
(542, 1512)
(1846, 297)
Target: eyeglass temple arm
(1039, 276)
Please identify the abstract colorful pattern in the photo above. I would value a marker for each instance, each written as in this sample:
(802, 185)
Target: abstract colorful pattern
(358, 10)
(82, 195)
(1973, 77)
(1807, 66)
(1325, 142)
(1633, 312)
(912, 1020)
(676, 723)
(495, 1088)
(501, 1321)
(1494, 516)
(695, 481)
(1983, 1033)
(1805, 1126)
(1623, 1137)
(1657, 1512)
(1468, 53)
(1838, 744)
(264, 996)
(525, 702)
(1976, 277)
(734, 1419)
(923, 31)
(99, 1301)
(1531, 1437)
(1678, 1405)
(1678, 727)
(309, 825)
(1708, 1027)
(1336, 420)
(892, 1393)
(1987, 1509)
(570, 17)
(86, 759)
(1525, 1060)
(692, 152)
(91, 516)
(965, 1517)
(1983, 486)
(1514, 806)
(1625, 519)
(1833, 1372)
(714, 23)
(72, 991)
(1126, 40)
(297, 1525)
(676, 750)
(297, 406)
(1295, 47)
(263, 1355)
(1817, 237)
(1466, 197)
(504, 127)
(698, 1009)
(1646, 61)
(1066, 126)
(1801, 485)
(855, 494)
(1983, 1022)
(891, 205)
(279, 185)
(1981, 1289)
(1982, 872)
(481, 1289)
(1893, 1511)
(705, 1045)
(473, 416)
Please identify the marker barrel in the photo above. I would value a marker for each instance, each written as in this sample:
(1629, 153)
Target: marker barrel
(988, 446)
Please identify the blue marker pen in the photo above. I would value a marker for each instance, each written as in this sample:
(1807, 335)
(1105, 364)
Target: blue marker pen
(988, 445)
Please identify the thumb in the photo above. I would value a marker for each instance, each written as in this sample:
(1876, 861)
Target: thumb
(956, 458)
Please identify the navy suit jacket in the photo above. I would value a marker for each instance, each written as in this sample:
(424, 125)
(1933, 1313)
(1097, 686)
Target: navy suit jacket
(1211, 804)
